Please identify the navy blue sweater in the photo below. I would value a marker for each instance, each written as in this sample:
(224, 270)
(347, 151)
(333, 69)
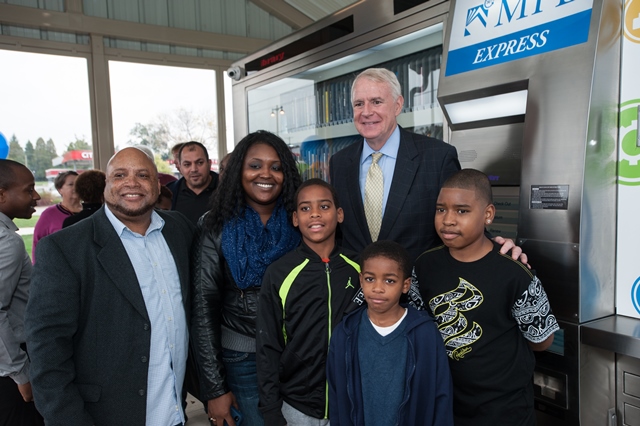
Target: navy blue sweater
(428, 391)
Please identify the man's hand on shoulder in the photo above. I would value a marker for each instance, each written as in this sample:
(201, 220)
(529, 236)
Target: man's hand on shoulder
(516, 252)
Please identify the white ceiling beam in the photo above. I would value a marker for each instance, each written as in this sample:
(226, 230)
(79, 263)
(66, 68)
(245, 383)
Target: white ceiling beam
(284, 12)
(83, 24)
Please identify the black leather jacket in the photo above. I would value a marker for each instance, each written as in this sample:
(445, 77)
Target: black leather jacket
(216, 302)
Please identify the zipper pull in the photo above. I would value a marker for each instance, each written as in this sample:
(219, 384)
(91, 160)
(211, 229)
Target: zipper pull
(326, 264)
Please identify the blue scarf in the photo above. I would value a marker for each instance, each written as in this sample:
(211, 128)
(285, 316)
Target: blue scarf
(249, 246)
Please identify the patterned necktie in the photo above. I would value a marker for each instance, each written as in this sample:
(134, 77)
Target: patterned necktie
(373, 196)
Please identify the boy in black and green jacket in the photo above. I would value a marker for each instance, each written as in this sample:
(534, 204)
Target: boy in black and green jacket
(304, 296)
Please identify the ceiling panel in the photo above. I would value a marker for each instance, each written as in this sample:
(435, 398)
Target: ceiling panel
(318, 9)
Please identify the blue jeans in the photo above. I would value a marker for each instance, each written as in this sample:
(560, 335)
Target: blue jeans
(242, 378)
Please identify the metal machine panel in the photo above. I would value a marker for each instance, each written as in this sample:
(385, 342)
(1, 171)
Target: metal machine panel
(556, 265)
(496, 150)
(628, 373)
(567, 188)
(562, 367)
(578, 375)
(567, 176)
(506, 200)
(631, 384)
(597, 386)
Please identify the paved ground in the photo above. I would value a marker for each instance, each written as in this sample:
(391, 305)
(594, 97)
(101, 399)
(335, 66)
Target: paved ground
(25, 231)
(195, 413)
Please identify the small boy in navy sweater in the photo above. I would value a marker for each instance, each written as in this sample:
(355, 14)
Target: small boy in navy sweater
(387, 364)
(304, 295)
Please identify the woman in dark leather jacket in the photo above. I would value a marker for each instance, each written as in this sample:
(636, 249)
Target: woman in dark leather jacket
(247, 228)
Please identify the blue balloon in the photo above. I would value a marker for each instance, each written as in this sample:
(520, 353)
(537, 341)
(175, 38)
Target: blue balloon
(4, 146)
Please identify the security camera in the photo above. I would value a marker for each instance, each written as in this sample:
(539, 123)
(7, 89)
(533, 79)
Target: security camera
(235, 73)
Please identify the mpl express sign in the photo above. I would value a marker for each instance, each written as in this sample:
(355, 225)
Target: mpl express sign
(497, 31)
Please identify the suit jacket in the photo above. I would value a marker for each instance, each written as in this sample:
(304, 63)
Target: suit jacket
(422, 166)
(87, 327)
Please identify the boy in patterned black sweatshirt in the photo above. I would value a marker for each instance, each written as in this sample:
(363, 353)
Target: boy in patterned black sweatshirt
(491, 310)
(304, 296)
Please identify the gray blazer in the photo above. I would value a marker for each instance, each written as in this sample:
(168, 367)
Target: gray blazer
(422, 166)
(88, 332)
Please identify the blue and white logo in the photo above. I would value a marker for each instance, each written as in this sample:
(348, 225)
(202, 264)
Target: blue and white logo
(476, 13)
(635, 295)
(493, 33)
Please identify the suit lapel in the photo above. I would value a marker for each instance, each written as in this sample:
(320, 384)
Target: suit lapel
(403, 176)
(114, 260)
(180, 254)
(353, 186)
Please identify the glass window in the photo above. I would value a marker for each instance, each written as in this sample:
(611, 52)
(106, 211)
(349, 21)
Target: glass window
(160, 106)
(45, 113)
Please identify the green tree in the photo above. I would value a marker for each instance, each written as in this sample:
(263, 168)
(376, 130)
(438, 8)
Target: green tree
(78, 144)
(51, 148)
(30, 156)
(42, 160)
(188, 125)
(152, 135)
(181, 125)
(162, 165)
(16, 153)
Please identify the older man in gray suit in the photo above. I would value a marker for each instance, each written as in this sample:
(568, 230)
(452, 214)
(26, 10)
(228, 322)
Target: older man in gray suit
(106, 323)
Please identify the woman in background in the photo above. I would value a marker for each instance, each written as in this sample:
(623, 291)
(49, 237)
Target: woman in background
(51, 219)
(248, 227)
(164, 199)
(89, 187)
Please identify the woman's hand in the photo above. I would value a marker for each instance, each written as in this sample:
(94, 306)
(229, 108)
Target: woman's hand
(219, 409)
